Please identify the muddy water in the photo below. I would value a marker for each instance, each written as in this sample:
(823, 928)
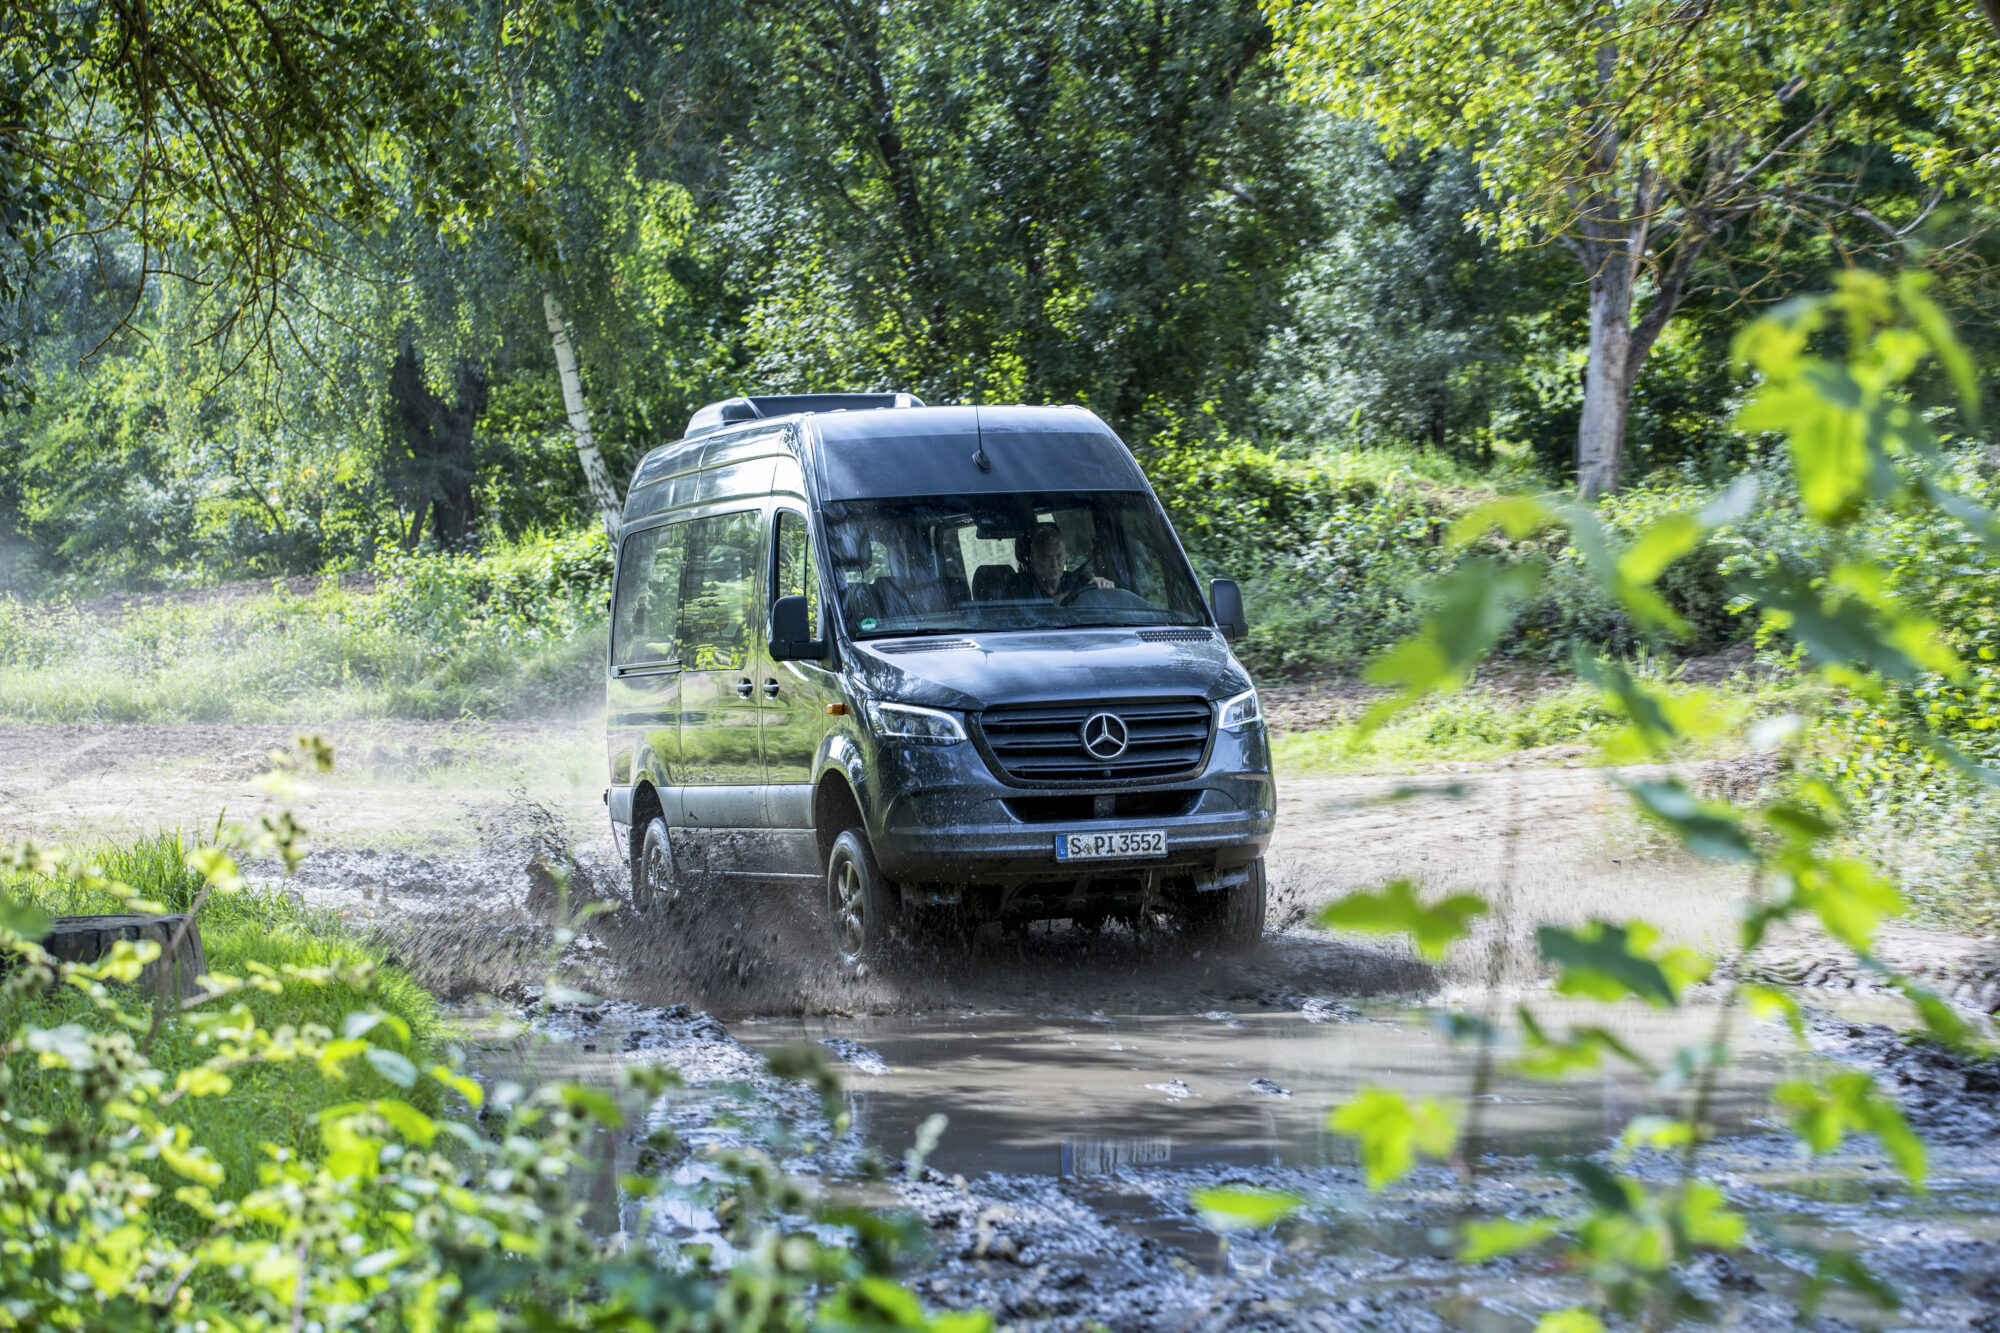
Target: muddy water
(1028, 1095)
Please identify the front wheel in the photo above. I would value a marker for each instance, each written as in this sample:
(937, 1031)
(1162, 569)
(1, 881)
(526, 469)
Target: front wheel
(655, 879)
(1232, 918)
(863, 904)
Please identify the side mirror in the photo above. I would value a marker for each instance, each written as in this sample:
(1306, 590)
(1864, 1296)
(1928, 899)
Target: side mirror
(790, 625)
(1227, 601)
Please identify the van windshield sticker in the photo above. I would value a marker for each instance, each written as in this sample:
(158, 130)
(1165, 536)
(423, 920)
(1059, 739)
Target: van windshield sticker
(869, 623)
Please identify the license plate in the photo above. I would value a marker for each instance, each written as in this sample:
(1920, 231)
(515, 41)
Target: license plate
(1111, 845)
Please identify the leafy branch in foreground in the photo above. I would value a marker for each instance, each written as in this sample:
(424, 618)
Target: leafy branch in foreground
(397, 1217)
(1858, 447)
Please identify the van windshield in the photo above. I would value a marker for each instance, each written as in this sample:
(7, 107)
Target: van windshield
(958, 563)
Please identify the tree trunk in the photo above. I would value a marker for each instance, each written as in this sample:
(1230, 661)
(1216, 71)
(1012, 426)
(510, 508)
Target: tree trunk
(1600, 433)
(595, 474)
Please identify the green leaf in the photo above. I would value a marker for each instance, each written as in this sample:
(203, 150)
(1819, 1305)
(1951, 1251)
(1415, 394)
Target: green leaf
(1941, 1020)
(391, 1065)
(1240, 1207)
(1823, 1113)
(1392, 1129)
(1492, 1238)
(24, 919)
(1707, 1219)
(1845, 631)
(1850, 899)
(1607, 1190)
(1396, 911)
(1837, 1266)
(1707, 831)
(201, 1081)
(1574, 1319)
(1598, 962)
(1471, 607)
(594, 1103)
(1517, 515)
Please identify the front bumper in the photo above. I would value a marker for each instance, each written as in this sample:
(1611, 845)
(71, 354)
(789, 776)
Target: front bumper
(938, 815)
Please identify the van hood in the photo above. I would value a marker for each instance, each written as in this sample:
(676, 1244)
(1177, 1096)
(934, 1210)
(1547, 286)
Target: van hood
(1043, 666)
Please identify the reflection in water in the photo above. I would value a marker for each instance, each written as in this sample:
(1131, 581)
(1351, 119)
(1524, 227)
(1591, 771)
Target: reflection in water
(1056, 1097)
(1103, 1157)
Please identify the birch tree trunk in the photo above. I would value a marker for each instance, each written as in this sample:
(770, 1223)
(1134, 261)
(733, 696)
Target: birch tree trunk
(1607, 384)
(595, 475)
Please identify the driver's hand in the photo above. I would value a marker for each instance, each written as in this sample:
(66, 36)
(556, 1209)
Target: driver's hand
(1096, 581)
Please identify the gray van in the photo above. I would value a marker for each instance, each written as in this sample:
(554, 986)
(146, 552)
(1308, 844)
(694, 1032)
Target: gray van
(949, 662)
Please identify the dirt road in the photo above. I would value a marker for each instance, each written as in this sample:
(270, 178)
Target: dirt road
(1093, 1082)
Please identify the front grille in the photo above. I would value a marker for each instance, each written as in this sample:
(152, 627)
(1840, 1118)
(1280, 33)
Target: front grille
(1118, 805)
(1044, 742)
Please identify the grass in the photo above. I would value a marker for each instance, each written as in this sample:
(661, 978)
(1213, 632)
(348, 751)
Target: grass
(1484, 724)
(268, 1106)
(514, 631)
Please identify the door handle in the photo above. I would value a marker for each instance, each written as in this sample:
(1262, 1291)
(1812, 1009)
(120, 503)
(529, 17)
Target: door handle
(771, 688)
(743, 688)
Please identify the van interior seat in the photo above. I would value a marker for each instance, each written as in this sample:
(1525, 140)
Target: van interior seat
(994, 583)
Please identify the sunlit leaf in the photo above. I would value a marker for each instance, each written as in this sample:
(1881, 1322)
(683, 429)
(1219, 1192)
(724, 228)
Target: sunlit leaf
(1241, 1207)
(1392, 1130)
(1598, 961)
(1706, 830)
(1491, 1238)
(1574, 1319)
(1396, 911)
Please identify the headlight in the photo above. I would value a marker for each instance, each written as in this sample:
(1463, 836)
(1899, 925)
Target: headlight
(1241, 711)
(907, 722)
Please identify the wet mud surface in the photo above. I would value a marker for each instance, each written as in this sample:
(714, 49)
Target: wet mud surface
(1058, 1194)
(1091, 1081)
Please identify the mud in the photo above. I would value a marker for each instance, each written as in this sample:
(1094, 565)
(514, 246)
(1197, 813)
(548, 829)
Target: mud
(1091, 1080)
(1059, 1193)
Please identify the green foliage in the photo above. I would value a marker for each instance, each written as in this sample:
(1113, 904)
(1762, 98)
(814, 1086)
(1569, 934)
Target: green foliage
(122, 1205)
(1823, 1113)
(1865, 464)
(1391, 1130)
(517, 629)
(1240, 1207)
(1396, 911)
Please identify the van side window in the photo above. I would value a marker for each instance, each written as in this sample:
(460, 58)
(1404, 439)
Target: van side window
(649, 597)
(796, 573)
(716, 588)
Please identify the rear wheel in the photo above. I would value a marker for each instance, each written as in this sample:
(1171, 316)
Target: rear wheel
(655, 878)
(1232, 918)
(863, 904)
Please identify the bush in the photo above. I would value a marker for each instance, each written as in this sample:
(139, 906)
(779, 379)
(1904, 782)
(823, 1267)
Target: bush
(518, 629)
(143, 1185)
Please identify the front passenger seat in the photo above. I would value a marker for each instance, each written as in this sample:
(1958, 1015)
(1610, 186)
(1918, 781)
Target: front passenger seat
(995, 583)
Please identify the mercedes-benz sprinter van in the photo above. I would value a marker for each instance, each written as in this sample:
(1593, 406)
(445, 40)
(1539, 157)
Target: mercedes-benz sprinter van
(949, 662)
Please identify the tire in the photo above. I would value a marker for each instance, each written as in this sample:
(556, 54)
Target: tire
(1231, 918)
(862, 905)
(655, 877)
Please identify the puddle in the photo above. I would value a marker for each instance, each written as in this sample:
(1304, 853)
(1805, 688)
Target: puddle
(1059, 1195)
(1092, 1098)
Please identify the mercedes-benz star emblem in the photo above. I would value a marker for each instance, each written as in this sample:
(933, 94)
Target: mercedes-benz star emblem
(1104, 735)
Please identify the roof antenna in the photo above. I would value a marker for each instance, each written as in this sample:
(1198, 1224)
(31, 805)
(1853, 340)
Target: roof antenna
(979, 457)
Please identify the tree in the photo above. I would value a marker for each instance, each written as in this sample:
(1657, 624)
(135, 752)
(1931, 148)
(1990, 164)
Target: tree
(985, 200)
(1642, 136)
(228, 142)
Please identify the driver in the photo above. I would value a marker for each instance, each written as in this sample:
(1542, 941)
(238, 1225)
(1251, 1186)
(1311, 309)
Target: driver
(1047, 574)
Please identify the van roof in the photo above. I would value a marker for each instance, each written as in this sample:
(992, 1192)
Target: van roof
(883, 452)
(969, 451)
